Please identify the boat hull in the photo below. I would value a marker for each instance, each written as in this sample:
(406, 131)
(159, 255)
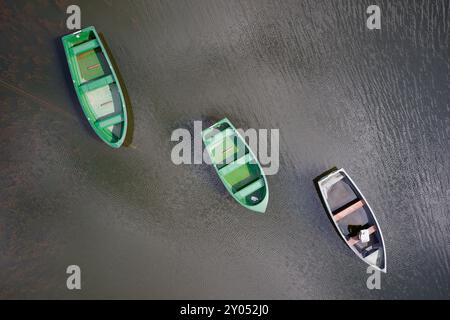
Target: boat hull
(236, 165)
(352, 217)
(96, 85)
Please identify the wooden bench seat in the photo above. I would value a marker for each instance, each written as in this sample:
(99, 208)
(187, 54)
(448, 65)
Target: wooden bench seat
(110, 121)
(236, 164)
(251, 188)
(343, 213)
(86, 46)
(97, 83)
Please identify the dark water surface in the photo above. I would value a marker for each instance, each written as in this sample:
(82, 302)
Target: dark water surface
(373, 102)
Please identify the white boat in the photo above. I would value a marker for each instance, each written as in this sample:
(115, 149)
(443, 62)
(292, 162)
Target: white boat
(352, 217)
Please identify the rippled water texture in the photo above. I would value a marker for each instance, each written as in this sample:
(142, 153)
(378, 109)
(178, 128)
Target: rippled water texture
(374, 102)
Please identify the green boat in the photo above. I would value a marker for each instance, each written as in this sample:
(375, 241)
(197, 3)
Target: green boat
(96, 85)
(236, 165)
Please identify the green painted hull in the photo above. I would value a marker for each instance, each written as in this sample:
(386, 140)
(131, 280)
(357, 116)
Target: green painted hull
(96, 85)
(237, 166)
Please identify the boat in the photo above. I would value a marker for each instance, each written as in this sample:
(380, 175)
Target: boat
(236, 165)
(352, 216)
(96, 85)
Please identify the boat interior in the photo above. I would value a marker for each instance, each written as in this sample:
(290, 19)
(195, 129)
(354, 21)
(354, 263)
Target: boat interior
(235, 164)
(353, 218)
(98, 85)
